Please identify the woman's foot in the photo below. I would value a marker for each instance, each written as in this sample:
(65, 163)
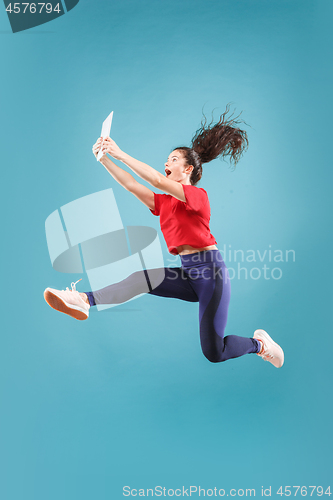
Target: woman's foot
(70, 302)
(270, 350)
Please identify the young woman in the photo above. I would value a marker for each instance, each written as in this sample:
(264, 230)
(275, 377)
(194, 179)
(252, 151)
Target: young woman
(184, 213)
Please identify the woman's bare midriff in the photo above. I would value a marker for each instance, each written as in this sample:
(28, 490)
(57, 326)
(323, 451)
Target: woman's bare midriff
(186, 249)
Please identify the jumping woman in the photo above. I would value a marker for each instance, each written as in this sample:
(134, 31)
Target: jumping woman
(184, 213)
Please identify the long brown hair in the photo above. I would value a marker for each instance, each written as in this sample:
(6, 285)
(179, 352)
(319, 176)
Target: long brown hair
(210, 141)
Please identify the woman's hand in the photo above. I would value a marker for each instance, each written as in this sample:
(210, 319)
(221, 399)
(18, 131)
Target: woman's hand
(97, 146)
(109, 146)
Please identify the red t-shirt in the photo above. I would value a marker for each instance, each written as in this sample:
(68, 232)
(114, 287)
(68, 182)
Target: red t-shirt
(185, 222)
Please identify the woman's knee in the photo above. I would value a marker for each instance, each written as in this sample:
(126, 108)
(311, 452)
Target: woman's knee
(213, 354)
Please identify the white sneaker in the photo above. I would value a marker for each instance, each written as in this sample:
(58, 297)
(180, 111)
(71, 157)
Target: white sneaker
(67, 301)
(271, 351)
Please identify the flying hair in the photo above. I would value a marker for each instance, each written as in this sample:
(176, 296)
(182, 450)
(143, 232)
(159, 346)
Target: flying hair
(223, 139)
(211, 141)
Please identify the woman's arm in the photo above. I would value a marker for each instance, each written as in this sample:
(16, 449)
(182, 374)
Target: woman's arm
(145, 195)
(144, 171)
(126, 180)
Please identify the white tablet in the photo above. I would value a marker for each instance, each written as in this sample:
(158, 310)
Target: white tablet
(106, 129)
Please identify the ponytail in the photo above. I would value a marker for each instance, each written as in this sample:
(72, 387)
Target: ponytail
(223, 139)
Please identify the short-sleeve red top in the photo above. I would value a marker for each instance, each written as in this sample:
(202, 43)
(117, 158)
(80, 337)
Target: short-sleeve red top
(185, 222)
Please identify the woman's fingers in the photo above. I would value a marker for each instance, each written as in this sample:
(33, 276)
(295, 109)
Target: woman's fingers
(97, 146)
(106, 145)
(98, 143)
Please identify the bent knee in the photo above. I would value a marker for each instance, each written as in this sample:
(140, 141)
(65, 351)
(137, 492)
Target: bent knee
(214, 356)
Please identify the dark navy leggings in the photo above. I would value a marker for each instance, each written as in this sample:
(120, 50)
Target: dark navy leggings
(203, 277)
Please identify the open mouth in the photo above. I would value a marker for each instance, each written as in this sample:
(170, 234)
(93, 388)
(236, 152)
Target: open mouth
(167, 172)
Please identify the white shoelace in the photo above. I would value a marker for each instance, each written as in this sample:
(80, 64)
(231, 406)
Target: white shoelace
(266, 355)
(73, 286)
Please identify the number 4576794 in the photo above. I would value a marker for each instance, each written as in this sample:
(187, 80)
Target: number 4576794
(317, 491)
(32, 8)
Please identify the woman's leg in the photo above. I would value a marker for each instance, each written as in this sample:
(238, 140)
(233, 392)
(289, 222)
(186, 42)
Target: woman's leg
(211, 282)
(163, 282)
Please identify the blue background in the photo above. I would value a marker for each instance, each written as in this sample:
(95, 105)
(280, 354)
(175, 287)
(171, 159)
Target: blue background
(127, 398)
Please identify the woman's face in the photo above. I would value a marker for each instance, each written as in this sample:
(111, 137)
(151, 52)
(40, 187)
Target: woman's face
(176, 167)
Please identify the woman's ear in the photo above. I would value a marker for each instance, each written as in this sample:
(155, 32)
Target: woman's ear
(189, 169)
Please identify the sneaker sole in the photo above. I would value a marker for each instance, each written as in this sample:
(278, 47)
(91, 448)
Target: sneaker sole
(263, 334)
(61, 305)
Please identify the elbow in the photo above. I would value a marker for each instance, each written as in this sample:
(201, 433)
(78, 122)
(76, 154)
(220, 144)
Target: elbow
(130, 186)
(157, 181)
